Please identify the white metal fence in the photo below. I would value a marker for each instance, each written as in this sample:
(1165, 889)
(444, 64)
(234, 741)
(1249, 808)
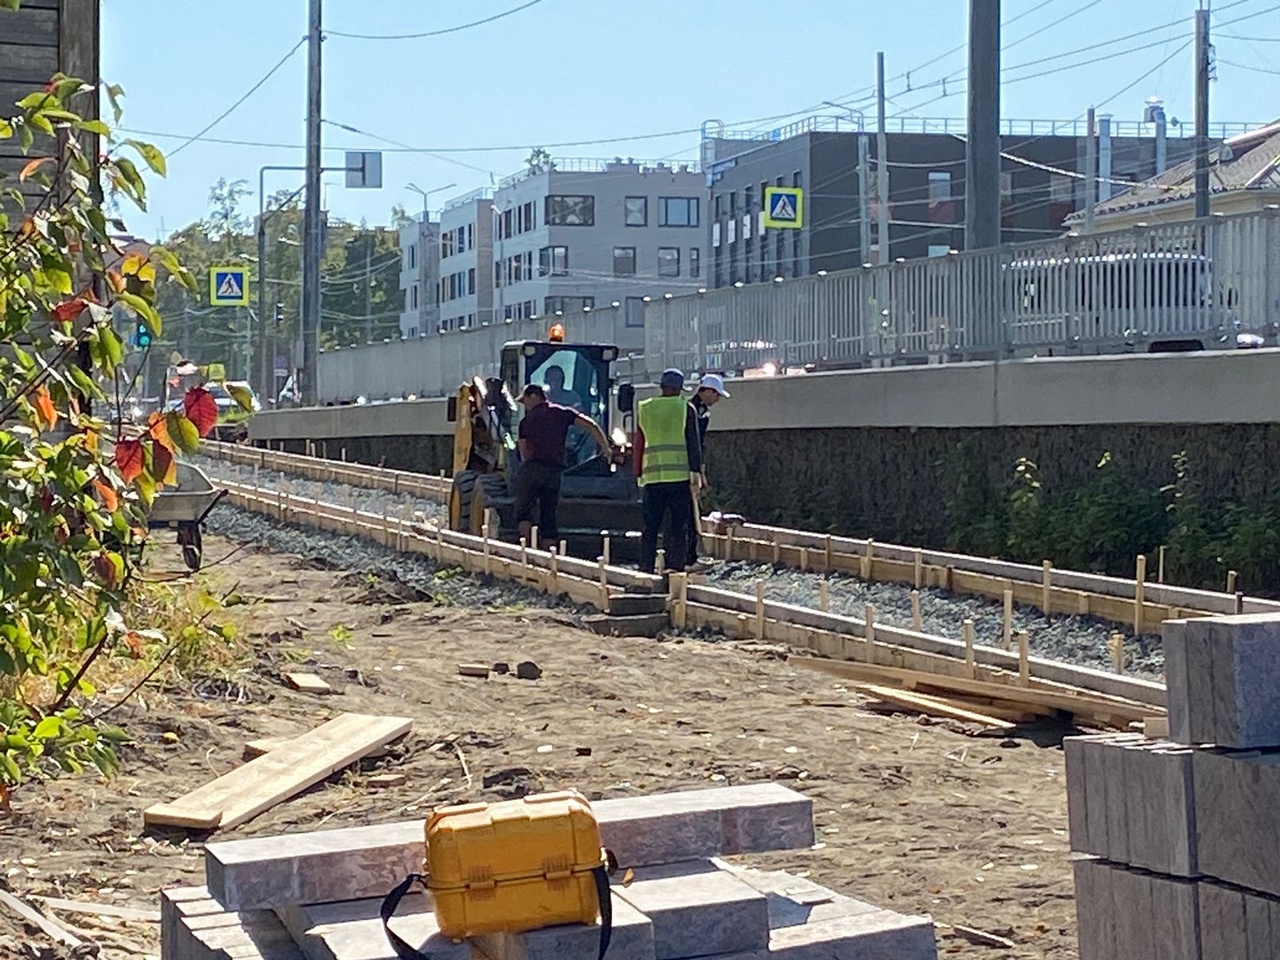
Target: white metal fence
(1201, 282)
(1170, 286)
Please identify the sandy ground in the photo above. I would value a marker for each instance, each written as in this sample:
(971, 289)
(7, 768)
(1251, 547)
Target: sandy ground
(916, 816)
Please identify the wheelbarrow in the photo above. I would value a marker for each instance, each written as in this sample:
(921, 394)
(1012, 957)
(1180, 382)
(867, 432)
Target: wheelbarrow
(184, 507)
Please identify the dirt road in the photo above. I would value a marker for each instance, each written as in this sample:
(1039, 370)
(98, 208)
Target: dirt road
(918, 817)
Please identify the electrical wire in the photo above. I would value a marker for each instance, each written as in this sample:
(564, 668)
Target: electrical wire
(231, 109)
(432, 33)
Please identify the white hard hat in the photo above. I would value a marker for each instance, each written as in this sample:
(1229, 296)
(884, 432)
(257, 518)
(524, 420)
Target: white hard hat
(713, 381)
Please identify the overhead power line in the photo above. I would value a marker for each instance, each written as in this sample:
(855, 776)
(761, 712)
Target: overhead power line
(432, 33)
(231, 109)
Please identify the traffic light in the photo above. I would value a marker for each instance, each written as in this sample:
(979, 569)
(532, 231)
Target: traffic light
(144, 335)
(279, 314)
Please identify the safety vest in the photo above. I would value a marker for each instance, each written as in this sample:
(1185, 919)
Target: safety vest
(666, 459)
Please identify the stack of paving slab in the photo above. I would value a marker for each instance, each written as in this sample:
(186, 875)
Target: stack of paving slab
(1177, 841)
(316, 896)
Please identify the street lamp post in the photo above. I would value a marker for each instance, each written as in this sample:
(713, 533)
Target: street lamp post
(426, 193)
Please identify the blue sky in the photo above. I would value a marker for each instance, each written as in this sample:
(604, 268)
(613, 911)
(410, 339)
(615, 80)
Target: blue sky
(575, 70)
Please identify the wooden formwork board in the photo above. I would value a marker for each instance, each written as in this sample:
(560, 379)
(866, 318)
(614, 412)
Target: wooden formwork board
(1062, 600)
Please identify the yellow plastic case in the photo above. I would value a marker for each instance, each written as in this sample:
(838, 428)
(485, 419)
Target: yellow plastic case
(515, 865)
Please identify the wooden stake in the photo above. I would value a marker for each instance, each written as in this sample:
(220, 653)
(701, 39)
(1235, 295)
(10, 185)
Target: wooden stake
(1160, 564)
(864, 566)
(1231, 581)
(777, 551)
(1046, 588)
(680, 594)
(344, 454)
(728, 542)
(484, 532)
(759, 609)
(1082, 603)
(524, 551)
(917, 567)
(917, 623)
(1117, 651)
(606, 559)
(869, 616)
(1007, 635)
(970, 664)
(1024, 663)
(660, 567)
(1139, 593)
(804, 559)
(826, 551)
(824, 595)
(1239, 602)
(564, 548)
(604, 585)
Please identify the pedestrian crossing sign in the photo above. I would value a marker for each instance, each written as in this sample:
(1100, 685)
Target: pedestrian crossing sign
(784, 207)
(229, 286)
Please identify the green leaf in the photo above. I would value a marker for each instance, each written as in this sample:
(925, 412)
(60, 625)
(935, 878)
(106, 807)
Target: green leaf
(48, 728)
(144, 310)
(9, 768)
(6, 129)
(152, 155)
(114, 93)
(94, 126)
(132, 177)
(41, 123)
(10, 4)
(34, 101)
(113, 346)
(25, 137)
(242, 395)
(182, 431)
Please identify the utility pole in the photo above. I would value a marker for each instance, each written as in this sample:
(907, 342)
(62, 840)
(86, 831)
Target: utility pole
(1090, 171)
(982, 190)
(368, 288)
(864, 173)
(1202, 112)
(311, 249)
(882, 165)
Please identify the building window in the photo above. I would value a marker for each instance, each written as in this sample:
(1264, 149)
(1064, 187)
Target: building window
(695, 262)
(570, 211)
(637, 211)
(413, 256)
(471, 281)
(446, 244)
(553, 262)
(624, 261)
(634, 312)
(939, 186)
(567, 304)
(668, 261)
(939, 249)
(679, 211)
(413, 331)
(413, 297)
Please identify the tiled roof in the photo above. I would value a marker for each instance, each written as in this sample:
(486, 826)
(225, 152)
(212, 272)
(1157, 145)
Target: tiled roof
(1250, 161)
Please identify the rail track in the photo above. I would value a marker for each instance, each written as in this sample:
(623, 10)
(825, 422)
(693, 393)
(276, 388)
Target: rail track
(997, 676)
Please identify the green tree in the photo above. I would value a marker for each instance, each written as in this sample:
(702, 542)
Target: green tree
(76, 488)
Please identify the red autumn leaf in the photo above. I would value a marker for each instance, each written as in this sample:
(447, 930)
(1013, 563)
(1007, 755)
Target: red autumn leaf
(159, 430)
(130, 459)
(109, 498)
(164, 468)
(45, 409)
(69, 310)
(105, 570)
(201, 409)
(134, 643)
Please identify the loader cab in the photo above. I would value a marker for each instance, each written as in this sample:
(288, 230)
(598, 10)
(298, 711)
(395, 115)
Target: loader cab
(573, 375)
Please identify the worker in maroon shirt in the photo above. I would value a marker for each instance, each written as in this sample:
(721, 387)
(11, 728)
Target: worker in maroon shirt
(543, 458)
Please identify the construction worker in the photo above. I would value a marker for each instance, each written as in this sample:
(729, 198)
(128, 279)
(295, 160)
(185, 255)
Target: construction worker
(667, 455)
(556, 392)
(543, 457)
(710, 389)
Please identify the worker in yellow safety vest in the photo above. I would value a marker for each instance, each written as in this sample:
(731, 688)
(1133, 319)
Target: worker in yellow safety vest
(667, 453)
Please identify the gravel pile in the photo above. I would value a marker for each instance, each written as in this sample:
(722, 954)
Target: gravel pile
(400, 506)
(383, 569)
(1072, 639)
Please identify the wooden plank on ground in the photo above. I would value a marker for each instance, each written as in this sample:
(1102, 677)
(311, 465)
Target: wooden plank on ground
(1063, 698)
(100, 909)
(37, 919)
(260, 784)
(256, 748)
(931, 705)
(306, 682)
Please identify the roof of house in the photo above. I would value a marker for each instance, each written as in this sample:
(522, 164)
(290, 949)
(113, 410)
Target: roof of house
(1250, 161)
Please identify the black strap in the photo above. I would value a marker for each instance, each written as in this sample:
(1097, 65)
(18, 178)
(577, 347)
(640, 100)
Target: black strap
(405, 952)
(398, 944)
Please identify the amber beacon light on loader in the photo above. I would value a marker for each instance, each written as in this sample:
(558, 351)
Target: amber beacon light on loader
(599, 496)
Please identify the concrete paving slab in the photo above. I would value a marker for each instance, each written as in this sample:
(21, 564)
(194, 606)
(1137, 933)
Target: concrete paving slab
(360, 862)
(352, 930)
(1094, 927)
(697, 910)
(259, 936)
(1257, 924)
(1132, 900)
(1175, 918)
(1237, 796)
(1174, 644)
(1222, 922)
(632, 939)
(170, 897)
